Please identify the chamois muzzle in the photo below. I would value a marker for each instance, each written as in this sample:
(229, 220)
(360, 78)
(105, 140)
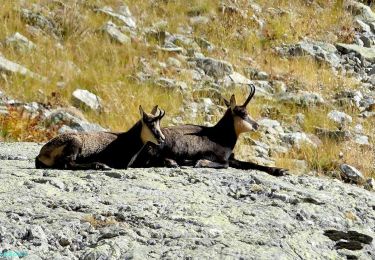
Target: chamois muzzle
(253, 124)
(252, 92)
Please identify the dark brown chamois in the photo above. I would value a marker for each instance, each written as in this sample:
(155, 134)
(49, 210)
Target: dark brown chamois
(81, 151)
(200, 146)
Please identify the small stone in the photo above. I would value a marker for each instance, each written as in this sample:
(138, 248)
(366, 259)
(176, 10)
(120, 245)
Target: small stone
(115, 175)
(350, 173)
(64, 241)
(370, 184)
(19, 41)
(361, 140)
(261, 75)
(297, 139)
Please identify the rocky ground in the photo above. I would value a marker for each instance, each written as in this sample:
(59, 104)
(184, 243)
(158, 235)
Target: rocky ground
(177, 213)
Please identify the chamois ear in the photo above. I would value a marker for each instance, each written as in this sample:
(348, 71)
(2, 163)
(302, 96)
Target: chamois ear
(232, 103)
(141, 112)
(226, 102)
(154, 110)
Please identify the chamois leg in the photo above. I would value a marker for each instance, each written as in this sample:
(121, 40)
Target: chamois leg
(147, 156)
(170, 163)
(234, 163)
(204, 163)
(86, 166)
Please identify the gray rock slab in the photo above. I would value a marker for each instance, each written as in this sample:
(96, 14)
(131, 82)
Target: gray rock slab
(115, 33)
(122, 14)
(176, 213)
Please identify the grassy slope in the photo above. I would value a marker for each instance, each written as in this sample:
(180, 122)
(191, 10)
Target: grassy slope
(108, 68)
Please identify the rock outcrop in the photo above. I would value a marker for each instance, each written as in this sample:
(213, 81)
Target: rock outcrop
(178, 213)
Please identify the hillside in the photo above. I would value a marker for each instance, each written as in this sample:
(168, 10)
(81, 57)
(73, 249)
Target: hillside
(87, 65)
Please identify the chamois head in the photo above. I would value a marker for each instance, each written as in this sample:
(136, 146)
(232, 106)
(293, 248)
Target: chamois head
(241, 119)
(151, 126)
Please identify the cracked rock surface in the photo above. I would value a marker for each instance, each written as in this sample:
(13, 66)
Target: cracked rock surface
(178, 213)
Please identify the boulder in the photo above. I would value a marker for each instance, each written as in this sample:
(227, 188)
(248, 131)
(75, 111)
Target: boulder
(70, 121)
(362, 11)
(86, 99)
(339, 117)
(214, 68)
(363, 52)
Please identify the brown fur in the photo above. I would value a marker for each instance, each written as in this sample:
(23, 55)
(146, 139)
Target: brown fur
(101, 149)
(90, 143)
(200, 146)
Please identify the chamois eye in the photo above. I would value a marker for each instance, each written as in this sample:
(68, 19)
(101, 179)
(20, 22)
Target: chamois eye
(147, 120)
(241, 114)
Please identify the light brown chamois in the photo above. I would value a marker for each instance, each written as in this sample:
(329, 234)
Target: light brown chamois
(100, 150)
(201, 146)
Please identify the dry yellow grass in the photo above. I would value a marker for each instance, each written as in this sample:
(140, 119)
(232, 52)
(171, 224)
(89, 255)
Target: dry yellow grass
(108, 69)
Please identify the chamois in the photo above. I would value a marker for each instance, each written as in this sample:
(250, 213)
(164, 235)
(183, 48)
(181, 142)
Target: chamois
(201, 146)
(83, 151)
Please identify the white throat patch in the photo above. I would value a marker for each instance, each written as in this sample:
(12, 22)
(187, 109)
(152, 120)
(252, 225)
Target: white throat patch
(147, 135)
(241, 126)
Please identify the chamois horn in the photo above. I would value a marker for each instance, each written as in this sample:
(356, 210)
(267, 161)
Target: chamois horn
(252, 92)
(161, 113)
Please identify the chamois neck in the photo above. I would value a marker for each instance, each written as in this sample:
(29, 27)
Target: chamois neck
(224, 130)
(134, 134)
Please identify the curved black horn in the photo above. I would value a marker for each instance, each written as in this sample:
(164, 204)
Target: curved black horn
(252, 92)
(161, 113)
